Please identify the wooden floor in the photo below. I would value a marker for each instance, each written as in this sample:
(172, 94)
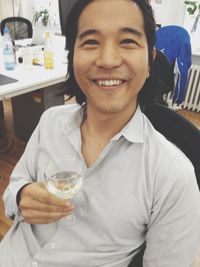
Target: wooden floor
(8, 160)
(194, 117)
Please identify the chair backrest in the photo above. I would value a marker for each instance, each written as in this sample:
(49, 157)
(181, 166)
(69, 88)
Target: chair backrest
(164, 73)
(179, 131)
(19, 28)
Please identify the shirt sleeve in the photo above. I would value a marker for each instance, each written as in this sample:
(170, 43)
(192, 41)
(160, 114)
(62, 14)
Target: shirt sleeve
(23, 173)
(174, 228)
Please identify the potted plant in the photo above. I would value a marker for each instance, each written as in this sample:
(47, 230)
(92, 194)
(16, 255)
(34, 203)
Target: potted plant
(192, 8)
(41, 16)
(42, 22)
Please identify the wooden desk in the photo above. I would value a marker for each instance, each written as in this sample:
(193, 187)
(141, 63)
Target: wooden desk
(30, 80)
(36, 90)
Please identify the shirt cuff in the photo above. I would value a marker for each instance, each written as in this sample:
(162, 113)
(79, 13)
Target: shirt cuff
(10, 198)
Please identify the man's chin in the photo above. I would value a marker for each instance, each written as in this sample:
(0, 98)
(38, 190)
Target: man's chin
(110, 108)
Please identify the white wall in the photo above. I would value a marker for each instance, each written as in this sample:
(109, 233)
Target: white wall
(170, 12)
(173, 12)
(51, 5)
(27, 8)
(8, 8)
(189, 20)
(195, 36)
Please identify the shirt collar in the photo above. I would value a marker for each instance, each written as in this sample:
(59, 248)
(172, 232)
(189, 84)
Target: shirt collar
(133, 131)
(73, 121)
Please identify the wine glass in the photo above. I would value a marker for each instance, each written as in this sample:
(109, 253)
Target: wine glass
(64, 179)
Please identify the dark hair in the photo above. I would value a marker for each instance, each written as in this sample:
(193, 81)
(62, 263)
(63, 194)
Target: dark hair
(147, 93)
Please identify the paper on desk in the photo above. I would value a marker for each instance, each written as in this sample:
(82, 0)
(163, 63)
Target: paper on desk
(23, 42)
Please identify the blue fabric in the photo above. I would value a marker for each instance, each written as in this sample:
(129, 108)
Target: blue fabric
(174, 42)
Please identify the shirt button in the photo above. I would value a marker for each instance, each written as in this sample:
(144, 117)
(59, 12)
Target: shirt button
(52, 245)
(34, 264)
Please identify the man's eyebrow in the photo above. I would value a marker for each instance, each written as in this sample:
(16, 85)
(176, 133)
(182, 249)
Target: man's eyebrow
(122, 30)
(132, 30)
(86, 33)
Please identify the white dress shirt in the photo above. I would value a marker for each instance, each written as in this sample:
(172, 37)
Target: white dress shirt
(141, 188)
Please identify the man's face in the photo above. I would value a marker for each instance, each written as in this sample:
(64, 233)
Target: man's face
(111, 55)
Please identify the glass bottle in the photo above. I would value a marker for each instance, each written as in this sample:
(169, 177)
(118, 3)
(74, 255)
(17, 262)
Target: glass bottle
(48, 52)
(8, 51)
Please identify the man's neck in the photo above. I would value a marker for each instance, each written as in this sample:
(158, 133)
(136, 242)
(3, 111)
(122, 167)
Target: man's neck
(97, 129)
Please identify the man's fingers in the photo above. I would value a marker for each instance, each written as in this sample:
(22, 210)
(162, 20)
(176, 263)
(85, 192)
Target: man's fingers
(38, 192)
(38, 206)
(28, 202)
(49, 198)
(32, 216)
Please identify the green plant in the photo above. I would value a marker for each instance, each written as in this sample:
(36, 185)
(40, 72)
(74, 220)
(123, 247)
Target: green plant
(193, 6)
(41, 16)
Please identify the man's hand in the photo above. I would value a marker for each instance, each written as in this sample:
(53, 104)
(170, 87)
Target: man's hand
(38, 206)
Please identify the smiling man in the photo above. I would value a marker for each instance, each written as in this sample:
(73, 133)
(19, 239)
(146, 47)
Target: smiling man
(141, 190)
(111, 63)
(111, 66)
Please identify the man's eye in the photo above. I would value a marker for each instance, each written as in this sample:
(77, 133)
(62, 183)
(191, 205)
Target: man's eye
(90, 42)
(128, 41)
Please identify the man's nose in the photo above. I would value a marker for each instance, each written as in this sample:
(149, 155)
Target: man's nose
(109, 57)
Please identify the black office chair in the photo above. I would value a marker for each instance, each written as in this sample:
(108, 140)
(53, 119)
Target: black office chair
(179, 131)
(19, 28)
(164, 74)
(172, 125)
(160, 82)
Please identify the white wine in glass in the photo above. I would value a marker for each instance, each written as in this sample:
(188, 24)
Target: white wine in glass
(65, 184)
(64, 179)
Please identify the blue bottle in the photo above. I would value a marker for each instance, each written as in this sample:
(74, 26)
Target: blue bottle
(8, 51)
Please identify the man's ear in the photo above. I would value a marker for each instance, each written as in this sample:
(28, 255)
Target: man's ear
(153, 57)
(154, 53)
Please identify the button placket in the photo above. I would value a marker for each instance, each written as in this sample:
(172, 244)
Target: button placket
(34, 264)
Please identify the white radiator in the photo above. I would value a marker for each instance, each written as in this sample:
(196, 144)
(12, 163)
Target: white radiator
(192, 98)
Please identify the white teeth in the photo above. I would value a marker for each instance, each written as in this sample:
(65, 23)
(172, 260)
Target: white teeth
(109, 82)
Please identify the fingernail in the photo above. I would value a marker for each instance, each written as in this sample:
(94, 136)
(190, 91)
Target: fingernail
(67, 203)
(72, 206)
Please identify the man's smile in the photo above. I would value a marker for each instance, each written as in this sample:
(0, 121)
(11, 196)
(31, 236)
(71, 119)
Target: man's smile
(108, 82)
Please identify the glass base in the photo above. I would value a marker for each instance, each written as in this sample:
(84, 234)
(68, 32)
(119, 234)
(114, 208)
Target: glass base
(80, 201)
(72, 219)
